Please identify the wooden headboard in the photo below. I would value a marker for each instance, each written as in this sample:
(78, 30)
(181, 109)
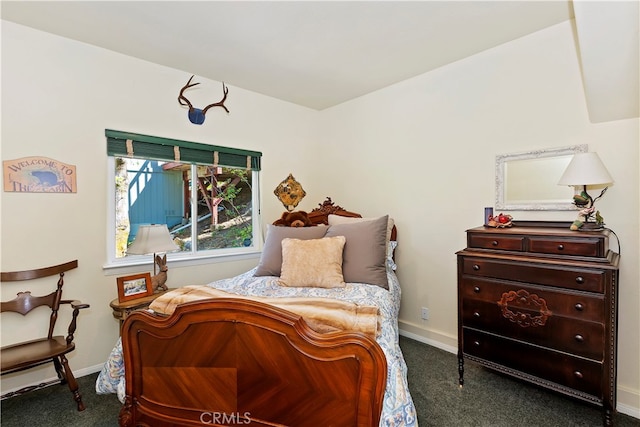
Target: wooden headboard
(320, 215)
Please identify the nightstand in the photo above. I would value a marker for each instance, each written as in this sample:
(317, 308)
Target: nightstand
(121, 310)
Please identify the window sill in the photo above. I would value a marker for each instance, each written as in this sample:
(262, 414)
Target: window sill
(177, 261)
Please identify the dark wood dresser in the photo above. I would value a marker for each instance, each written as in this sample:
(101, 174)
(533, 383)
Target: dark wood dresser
(539, 302)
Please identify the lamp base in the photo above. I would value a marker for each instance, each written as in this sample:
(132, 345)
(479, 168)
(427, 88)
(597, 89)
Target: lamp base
(591, 226)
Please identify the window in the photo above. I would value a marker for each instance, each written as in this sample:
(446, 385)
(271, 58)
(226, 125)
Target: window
(206, 195)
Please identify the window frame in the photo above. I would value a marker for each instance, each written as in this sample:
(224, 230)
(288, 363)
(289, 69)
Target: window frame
(131, 263)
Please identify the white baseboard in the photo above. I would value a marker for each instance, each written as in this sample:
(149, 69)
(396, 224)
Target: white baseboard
(429, 341)
(628, 410)
(628, 395)
(90, 370)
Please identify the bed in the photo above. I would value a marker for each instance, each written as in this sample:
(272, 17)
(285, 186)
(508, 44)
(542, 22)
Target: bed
(298, 350)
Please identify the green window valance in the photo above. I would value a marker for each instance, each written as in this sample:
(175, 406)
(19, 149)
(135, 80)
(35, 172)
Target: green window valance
(152, 147)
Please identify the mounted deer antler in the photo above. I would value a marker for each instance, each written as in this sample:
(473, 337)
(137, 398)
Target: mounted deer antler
(196, 115)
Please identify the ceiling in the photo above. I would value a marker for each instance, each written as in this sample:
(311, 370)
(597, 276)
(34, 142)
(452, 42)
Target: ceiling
(312, 53)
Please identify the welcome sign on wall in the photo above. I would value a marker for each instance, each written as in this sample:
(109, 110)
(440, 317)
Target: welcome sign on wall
(38, 175)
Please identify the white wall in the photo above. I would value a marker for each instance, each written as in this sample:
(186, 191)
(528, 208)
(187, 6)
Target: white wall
(58, 97)
(422, 150)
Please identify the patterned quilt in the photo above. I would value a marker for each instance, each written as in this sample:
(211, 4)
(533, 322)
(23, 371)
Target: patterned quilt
(398, 408)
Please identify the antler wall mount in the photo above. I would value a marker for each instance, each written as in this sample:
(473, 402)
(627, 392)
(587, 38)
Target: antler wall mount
(197, 115)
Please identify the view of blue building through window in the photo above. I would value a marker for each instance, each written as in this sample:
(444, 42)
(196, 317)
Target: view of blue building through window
(204, 207)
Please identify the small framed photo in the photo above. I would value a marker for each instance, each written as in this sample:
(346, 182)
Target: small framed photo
(134, 286)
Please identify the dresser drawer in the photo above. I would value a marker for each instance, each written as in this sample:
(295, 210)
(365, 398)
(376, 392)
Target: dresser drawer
(581, 338)
(581, 306)
(561, 368)
(560, 246)
(489, 241)
(539, 273)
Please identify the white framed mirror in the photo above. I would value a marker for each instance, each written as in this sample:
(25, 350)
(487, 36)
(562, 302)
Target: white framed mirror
(529, 180)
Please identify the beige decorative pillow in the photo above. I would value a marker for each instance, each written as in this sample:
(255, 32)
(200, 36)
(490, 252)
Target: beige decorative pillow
(271, 258)
(312, 263)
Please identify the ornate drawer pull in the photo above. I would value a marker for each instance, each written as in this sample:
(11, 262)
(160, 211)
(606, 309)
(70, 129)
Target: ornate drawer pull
(560, 247)
(580, 279)
(579, 307)
(578, 374)
(530, 302)
(476, 314)
(476, 289)
(476, 343)
(476, 267)
(494, 243)
(579, 338)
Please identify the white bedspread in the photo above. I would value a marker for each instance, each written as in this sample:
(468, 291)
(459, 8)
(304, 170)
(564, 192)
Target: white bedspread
(398, 408)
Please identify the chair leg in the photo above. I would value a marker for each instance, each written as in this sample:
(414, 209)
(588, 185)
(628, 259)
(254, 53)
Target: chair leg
(61, 375)
(73, 384)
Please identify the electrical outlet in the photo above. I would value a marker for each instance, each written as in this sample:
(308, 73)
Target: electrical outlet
(424, 314)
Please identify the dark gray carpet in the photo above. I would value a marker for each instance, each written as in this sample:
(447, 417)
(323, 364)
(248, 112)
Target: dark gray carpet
(487, 399)
(54, 406)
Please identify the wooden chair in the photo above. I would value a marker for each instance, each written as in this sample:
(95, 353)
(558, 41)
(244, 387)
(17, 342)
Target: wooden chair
(25, 355)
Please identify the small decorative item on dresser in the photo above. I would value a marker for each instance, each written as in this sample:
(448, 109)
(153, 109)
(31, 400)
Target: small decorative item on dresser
(499, 221)
(134, 286)
(488, 213)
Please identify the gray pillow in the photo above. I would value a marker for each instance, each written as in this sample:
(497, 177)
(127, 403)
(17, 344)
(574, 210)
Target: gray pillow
(364, 256)
(271, 258)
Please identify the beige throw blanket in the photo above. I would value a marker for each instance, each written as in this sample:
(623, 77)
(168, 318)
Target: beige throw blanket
(321, 314)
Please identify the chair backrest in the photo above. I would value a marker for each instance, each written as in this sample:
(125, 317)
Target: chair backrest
(25, 302)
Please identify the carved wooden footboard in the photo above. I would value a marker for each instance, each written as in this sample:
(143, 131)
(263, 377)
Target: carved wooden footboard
(238, 362)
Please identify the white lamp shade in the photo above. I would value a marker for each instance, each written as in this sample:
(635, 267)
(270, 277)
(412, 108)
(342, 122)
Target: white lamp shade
(152, 239)
(585, 169)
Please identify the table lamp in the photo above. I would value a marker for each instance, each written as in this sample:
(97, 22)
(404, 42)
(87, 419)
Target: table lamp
(152, 239)
(586, 169)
